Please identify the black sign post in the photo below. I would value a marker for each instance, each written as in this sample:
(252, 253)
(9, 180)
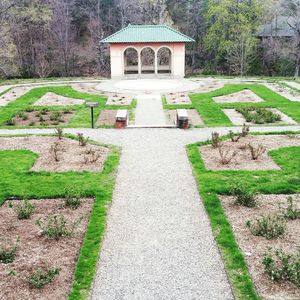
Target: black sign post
(92, 105)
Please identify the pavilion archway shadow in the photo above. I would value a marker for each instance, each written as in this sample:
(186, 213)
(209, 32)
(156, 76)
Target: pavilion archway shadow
(131, 61)
(164, 61)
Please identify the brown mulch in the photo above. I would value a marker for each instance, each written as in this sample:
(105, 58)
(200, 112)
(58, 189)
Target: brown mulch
(243, 160)
(33, 118)
(254, 247)
(72, 157)
(107, 117)
(37, 251)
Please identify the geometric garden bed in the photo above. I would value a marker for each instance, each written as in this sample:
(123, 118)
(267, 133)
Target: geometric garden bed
(43, 117)
(59, 155)
(36, 251)
(255, 247)
(241, 154)
(238, 119)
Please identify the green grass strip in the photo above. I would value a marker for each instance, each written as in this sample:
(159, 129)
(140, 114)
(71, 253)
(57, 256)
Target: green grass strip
(88, 258)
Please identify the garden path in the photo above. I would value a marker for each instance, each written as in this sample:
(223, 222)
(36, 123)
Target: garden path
(293, 84)
(149, 110)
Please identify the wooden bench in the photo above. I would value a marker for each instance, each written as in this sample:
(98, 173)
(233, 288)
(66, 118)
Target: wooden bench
(121, 118)
(182, 118)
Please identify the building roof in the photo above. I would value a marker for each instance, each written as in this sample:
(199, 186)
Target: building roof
(147, 34)
(279, 27)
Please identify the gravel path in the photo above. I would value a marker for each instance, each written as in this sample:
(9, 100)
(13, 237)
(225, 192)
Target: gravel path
(293, 84)
(158, 243)
(149, 110)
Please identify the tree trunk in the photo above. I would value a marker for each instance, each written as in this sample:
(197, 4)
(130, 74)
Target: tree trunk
(297, 67)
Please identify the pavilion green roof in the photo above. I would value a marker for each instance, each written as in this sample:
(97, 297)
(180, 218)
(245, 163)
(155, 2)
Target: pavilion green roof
(147, 34)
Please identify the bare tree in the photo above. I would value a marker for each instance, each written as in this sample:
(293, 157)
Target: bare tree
(62, 29)
(292, 9)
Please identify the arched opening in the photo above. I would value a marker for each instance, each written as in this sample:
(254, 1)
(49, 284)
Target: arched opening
(164, 61)
(131, 61)
(148, 61)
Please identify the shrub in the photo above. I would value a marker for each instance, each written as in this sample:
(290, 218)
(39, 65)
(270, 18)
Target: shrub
(245, 130)
(215, 139)
(44, 111)
(32, 123)
(41, 277)
(91, 156)
(72, 199)
(243, 196)
(282, 266)
(8, 253)
(82, 140)
(56, 226)
(258, 115)
(234, 137)
(257, 151)
(24, 209)
(55, 116)
(29, 109)
(226, 155)
(291, 212)
(66, 111)
(269, 226)
(11, 122)
(55, 150)
(294, 181)
(59, 133)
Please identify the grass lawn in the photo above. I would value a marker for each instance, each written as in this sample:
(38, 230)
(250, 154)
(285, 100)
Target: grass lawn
(18, 181)
(82, 117)
(214, 183)
(212, 114)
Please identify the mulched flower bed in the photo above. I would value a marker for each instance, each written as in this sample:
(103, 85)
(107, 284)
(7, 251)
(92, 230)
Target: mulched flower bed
(254, 247)
(42, 117)
(36, 251)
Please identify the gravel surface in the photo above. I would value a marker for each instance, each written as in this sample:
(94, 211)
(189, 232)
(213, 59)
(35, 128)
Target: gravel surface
(242, 96)
(293, 84)
(148, 85)
(158, 242)
(52, 99)
(13, 95)
(284, 91)
(149, 110)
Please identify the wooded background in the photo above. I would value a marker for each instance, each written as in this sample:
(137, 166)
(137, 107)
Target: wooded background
(42, 38)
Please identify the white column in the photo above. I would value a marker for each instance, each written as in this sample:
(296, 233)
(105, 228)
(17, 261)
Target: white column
(139, 63)
(155, 62)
